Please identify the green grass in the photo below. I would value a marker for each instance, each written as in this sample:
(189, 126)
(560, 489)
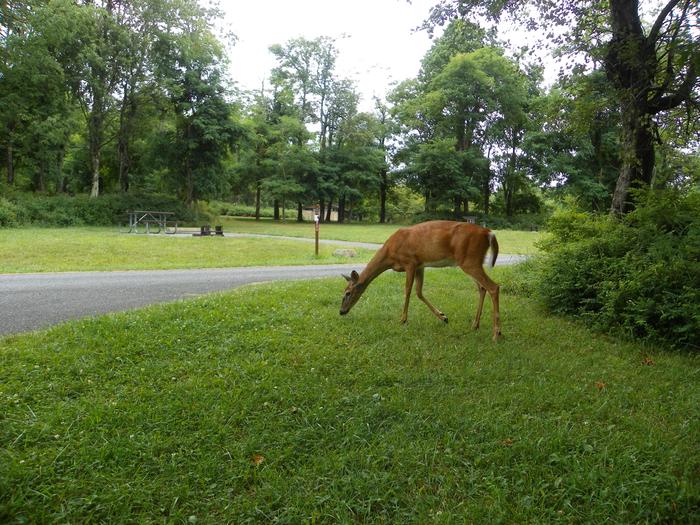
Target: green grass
(103, 249)
(263, 405)
(510, 241)
(83, 249)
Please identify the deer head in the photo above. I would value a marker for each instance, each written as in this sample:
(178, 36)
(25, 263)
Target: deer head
(353, 291)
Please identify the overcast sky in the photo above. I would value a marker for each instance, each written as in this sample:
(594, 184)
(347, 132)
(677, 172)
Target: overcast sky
(376, 42)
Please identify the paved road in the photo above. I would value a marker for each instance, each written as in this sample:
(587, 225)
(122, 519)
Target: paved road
(32, 301)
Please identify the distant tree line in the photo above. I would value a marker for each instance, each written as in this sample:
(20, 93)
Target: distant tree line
(134, 96)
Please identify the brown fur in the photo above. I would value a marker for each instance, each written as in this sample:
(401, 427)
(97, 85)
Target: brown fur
(433, 243)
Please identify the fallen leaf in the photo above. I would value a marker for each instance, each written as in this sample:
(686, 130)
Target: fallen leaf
(257, 459)
(648, 361)
(600, 385)
(507, 442)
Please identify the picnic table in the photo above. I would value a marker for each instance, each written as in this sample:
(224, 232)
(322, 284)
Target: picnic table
(142, 221)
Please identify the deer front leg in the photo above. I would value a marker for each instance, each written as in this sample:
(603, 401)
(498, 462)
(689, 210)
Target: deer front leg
(419, 293)
(410, 272)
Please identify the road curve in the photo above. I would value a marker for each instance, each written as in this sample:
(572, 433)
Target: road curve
(33, 301)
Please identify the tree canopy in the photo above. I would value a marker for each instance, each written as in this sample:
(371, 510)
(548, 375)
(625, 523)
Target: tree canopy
(120, 96)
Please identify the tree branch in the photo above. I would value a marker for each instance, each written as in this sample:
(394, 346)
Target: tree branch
(682, 94)
(656, 28)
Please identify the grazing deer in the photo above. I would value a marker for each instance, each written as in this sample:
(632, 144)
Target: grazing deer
(436, 244)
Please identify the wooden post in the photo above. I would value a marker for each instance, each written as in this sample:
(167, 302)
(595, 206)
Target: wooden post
(317, 220)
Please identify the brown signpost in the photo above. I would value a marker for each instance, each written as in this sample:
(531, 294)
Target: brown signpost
(317, 221)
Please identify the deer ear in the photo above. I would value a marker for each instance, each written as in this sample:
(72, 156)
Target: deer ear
(347, 278)
(355, 276)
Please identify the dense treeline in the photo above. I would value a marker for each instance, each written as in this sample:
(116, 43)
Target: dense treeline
(133, 96)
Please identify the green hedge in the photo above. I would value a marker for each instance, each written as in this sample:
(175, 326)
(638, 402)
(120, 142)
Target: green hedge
(640, 275)
(238, 210)
(22, 208)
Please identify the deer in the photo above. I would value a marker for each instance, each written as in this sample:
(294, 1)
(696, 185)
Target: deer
(432, 244)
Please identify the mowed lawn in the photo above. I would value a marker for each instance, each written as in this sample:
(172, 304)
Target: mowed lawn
(100, 249)
(263, 405)
(510, 241)
(93, 249)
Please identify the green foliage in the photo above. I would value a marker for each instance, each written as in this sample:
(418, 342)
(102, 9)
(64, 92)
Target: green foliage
(232, 209)
(640, 275)
(9, 213)
(82, 210)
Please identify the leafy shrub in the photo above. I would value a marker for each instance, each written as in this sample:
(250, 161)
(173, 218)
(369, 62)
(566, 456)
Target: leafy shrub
(237, 210)
(640, 275)
(63, 210)
(9, 213)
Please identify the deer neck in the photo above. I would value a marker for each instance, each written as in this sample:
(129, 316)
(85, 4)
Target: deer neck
(375, 267)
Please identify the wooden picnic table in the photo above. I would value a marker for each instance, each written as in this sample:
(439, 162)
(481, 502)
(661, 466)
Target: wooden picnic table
(148, 220)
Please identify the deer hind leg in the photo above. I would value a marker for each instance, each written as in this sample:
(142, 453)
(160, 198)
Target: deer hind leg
(482, 294)
(486, 285)
(410, 272)
(419, 293)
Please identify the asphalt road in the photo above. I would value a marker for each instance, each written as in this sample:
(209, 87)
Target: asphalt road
(33, 301)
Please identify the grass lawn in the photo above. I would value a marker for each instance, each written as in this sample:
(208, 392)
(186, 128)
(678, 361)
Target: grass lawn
(104, 249)
(92, 249)
(263, 405)
(510, 241)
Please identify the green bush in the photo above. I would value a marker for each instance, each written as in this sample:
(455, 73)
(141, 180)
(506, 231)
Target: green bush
(640, 274)
(9, 213)
(237, 210)
(63, 210)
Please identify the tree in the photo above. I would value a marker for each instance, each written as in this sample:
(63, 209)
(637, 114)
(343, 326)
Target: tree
(574, 150)
(477, 102)
(652, 69)
(204, 131)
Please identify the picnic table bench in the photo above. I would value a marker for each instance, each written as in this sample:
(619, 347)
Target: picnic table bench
(143, 221)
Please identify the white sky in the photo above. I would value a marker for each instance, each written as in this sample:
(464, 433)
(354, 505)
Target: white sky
(375, 39)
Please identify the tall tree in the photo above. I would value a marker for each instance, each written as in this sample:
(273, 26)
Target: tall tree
(653, 68)
(204, 131)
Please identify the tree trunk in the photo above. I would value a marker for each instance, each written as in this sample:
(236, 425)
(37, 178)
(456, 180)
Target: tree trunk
(95, 139)
(59, 178)
(637, 152)
(10, 164)
(382, 197)
(126, 118)
(124, 161)
(631, 63)
(457, 208)
(276, 206)
(95, 169)
(40, 178)
(486, 195)
(329, 210)
(300, 212)
(257, 201)
(341, 209)
(321, 209)
(189, 197)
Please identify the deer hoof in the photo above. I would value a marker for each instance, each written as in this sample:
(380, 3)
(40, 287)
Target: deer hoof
(444, 319)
